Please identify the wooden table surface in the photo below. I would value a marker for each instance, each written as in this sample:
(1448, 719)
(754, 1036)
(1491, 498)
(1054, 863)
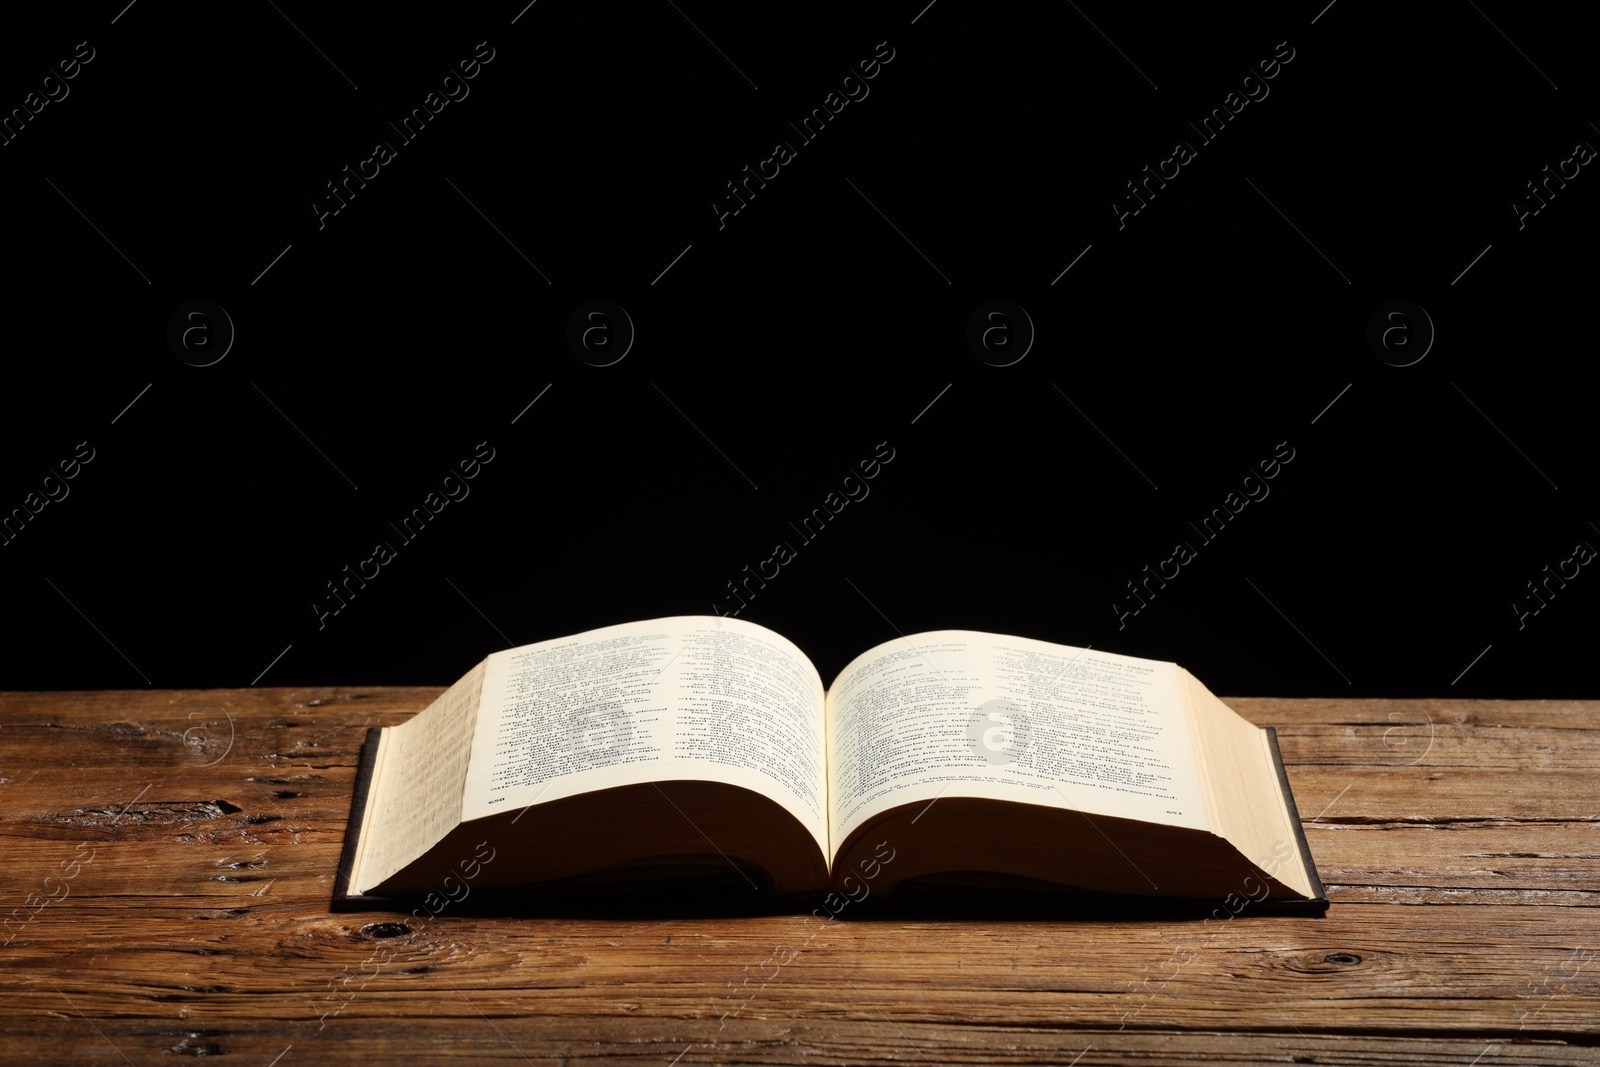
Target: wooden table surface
(169, 857)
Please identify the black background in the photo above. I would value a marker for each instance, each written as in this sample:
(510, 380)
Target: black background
(779, 350)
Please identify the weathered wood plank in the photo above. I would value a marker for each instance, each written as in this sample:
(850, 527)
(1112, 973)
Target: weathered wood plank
(1370, 966)
(517, 1041)
(1346, 795)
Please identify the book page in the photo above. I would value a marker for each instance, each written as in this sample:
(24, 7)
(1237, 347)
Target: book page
(1247, 803)
(959, 713)
(424, 760)
(691, 697)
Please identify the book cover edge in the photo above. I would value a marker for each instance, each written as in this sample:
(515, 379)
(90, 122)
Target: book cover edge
(1319, 901)
(343, 900)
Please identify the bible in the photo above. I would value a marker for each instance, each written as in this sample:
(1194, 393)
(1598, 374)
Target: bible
(656, 753)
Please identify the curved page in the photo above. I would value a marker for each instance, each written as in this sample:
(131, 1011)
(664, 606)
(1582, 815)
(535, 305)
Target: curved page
(691, 697)
(955, 713)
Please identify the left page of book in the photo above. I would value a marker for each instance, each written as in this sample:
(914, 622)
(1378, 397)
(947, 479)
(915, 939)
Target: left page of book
(684, 698)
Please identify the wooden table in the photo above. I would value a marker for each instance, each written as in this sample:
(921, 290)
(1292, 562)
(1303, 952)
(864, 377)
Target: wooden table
(170, 856)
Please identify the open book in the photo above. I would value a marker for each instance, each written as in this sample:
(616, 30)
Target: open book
(686, 746)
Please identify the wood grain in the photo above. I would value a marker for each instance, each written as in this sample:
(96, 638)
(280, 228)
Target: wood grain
(170, 855)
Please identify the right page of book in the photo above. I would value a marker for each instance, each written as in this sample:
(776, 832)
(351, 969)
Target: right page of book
(961, 713)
